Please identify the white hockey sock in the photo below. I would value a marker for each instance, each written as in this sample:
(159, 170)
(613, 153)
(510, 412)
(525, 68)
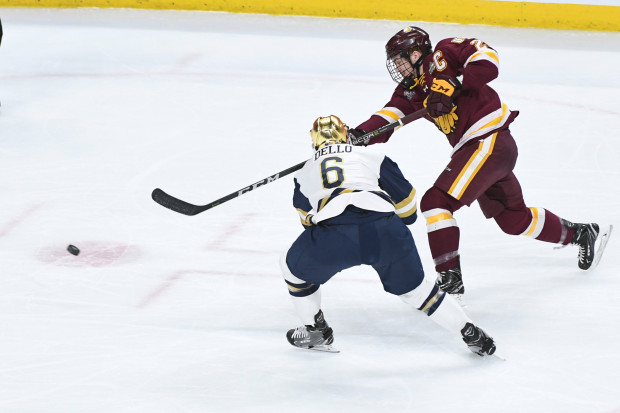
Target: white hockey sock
(450, 315)
(442, 308)
(306, 306)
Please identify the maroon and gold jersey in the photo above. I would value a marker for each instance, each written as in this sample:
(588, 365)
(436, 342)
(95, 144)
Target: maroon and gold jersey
(479, 110)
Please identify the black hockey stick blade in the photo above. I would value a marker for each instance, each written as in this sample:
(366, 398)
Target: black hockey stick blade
(186, 208)
(176, 204)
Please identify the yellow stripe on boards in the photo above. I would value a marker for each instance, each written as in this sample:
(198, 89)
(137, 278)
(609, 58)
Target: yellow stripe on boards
(496, 13)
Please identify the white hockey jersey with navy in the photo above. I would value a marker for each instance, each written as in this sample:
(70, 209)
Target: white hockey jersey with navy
(341, 175)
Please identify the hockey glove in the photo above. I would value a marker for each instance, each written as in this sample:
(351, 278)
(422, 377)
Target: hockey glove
(356, 133)
(441, 98)
(447, 123)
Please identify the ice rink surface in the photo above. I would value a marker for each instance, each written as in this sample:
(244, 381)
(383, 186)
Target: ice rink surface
(168, 313)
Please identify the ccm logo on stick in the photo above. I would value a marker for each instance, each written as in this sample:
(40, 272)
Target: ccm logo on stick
(259, 183)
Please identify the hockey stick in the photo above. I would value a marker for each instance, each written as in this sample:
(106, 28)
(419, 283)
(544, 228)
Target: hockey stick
(186, 208)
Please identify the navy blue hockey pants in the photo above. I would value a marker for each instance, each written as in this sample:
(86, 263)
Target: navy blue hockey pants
(383, 241)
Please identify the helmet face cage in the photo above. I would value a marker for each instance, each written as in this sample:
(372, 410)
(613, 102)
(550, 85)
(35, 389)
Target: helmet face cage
(398, 50)
(328, 130)
(399, 66)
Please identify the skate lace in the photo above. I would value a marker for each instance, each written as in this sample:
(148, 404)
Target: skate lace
(584, 238)
(300, 332)
(582, 254)
(586, 247)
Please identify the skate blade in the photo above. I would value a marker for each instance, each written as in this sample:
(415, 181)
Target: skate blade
(327, 348)
(499, 356)
(602, 243)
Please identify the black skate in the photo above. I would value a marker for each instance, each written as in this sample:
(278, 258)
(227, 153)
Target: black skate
(318, 337)
(477, 340)
(451, 281)
(591, 241)
(585, 237)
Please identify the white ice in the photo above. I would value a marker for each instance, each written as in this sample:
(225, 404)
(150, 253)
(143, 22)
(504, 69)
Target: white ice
(163, 312)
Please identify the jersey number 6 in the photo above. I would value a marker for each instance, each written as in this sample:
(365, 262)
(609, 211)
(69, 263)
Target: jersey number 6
(329, 180)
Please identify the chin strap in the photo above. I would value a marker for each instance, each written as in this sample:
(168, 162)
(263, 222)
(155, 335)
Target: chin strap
(409, 82)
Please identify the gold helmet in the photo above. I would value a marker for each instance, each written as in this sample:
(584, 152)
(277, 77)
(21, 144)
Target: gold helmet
(328, 130)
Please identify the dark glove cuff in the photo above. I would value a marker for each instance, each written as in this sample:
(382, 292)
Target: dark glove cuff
(356, 133)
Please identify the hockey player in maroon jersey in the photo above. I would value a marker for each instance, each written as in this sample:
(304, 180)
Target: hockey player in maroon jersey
(476, 123)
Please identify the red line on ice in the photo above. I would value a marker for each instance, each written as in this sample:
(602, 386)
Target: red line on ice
(170, 281)
(8, 227)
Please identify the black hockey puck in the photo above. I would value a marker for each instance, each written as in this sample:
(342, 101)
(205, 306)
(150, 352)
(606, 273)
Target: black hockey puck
(73, 249)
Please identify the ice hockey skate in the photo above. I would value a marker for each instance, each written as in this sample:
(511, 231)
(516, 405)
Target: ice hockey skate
(591, 240)
(317, 337)
(451, 281)
(477, 340)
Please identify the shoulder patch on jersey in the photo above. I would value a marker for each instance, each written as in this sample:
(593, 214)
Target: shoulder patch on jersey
(409, 94)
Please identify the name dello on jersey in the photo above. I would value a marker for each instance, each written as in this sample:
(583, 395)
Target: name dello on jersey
(332, 149)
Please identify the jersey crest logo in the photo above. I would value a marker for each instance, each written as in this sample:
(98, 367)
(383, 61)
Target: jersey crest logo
(418, 81)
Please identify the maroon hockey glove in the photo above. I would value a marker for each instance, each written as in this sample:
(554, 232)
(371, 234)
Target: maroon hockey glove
(443, 92)
(356, 133)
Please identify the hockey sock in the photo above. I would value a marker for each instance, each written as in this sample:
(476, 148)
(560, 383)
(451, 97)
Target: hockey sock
(442, 308)
(537, 223)
(546, 226)
(307, 307)
(443, 238)
(306, 296)
(443, 232)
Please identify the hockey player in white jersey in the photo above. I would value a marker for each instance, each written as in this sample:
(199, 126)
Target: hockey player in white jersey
(354, 204)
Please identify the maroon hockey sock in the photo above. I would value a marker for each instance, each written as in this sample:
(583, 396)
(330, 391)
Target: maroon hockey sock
(444, 245)
(554, 231)
(537, 223)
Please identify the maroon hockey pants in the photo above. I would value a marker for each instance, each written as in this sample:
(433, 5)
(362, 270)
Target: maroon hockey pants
(482, 170)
